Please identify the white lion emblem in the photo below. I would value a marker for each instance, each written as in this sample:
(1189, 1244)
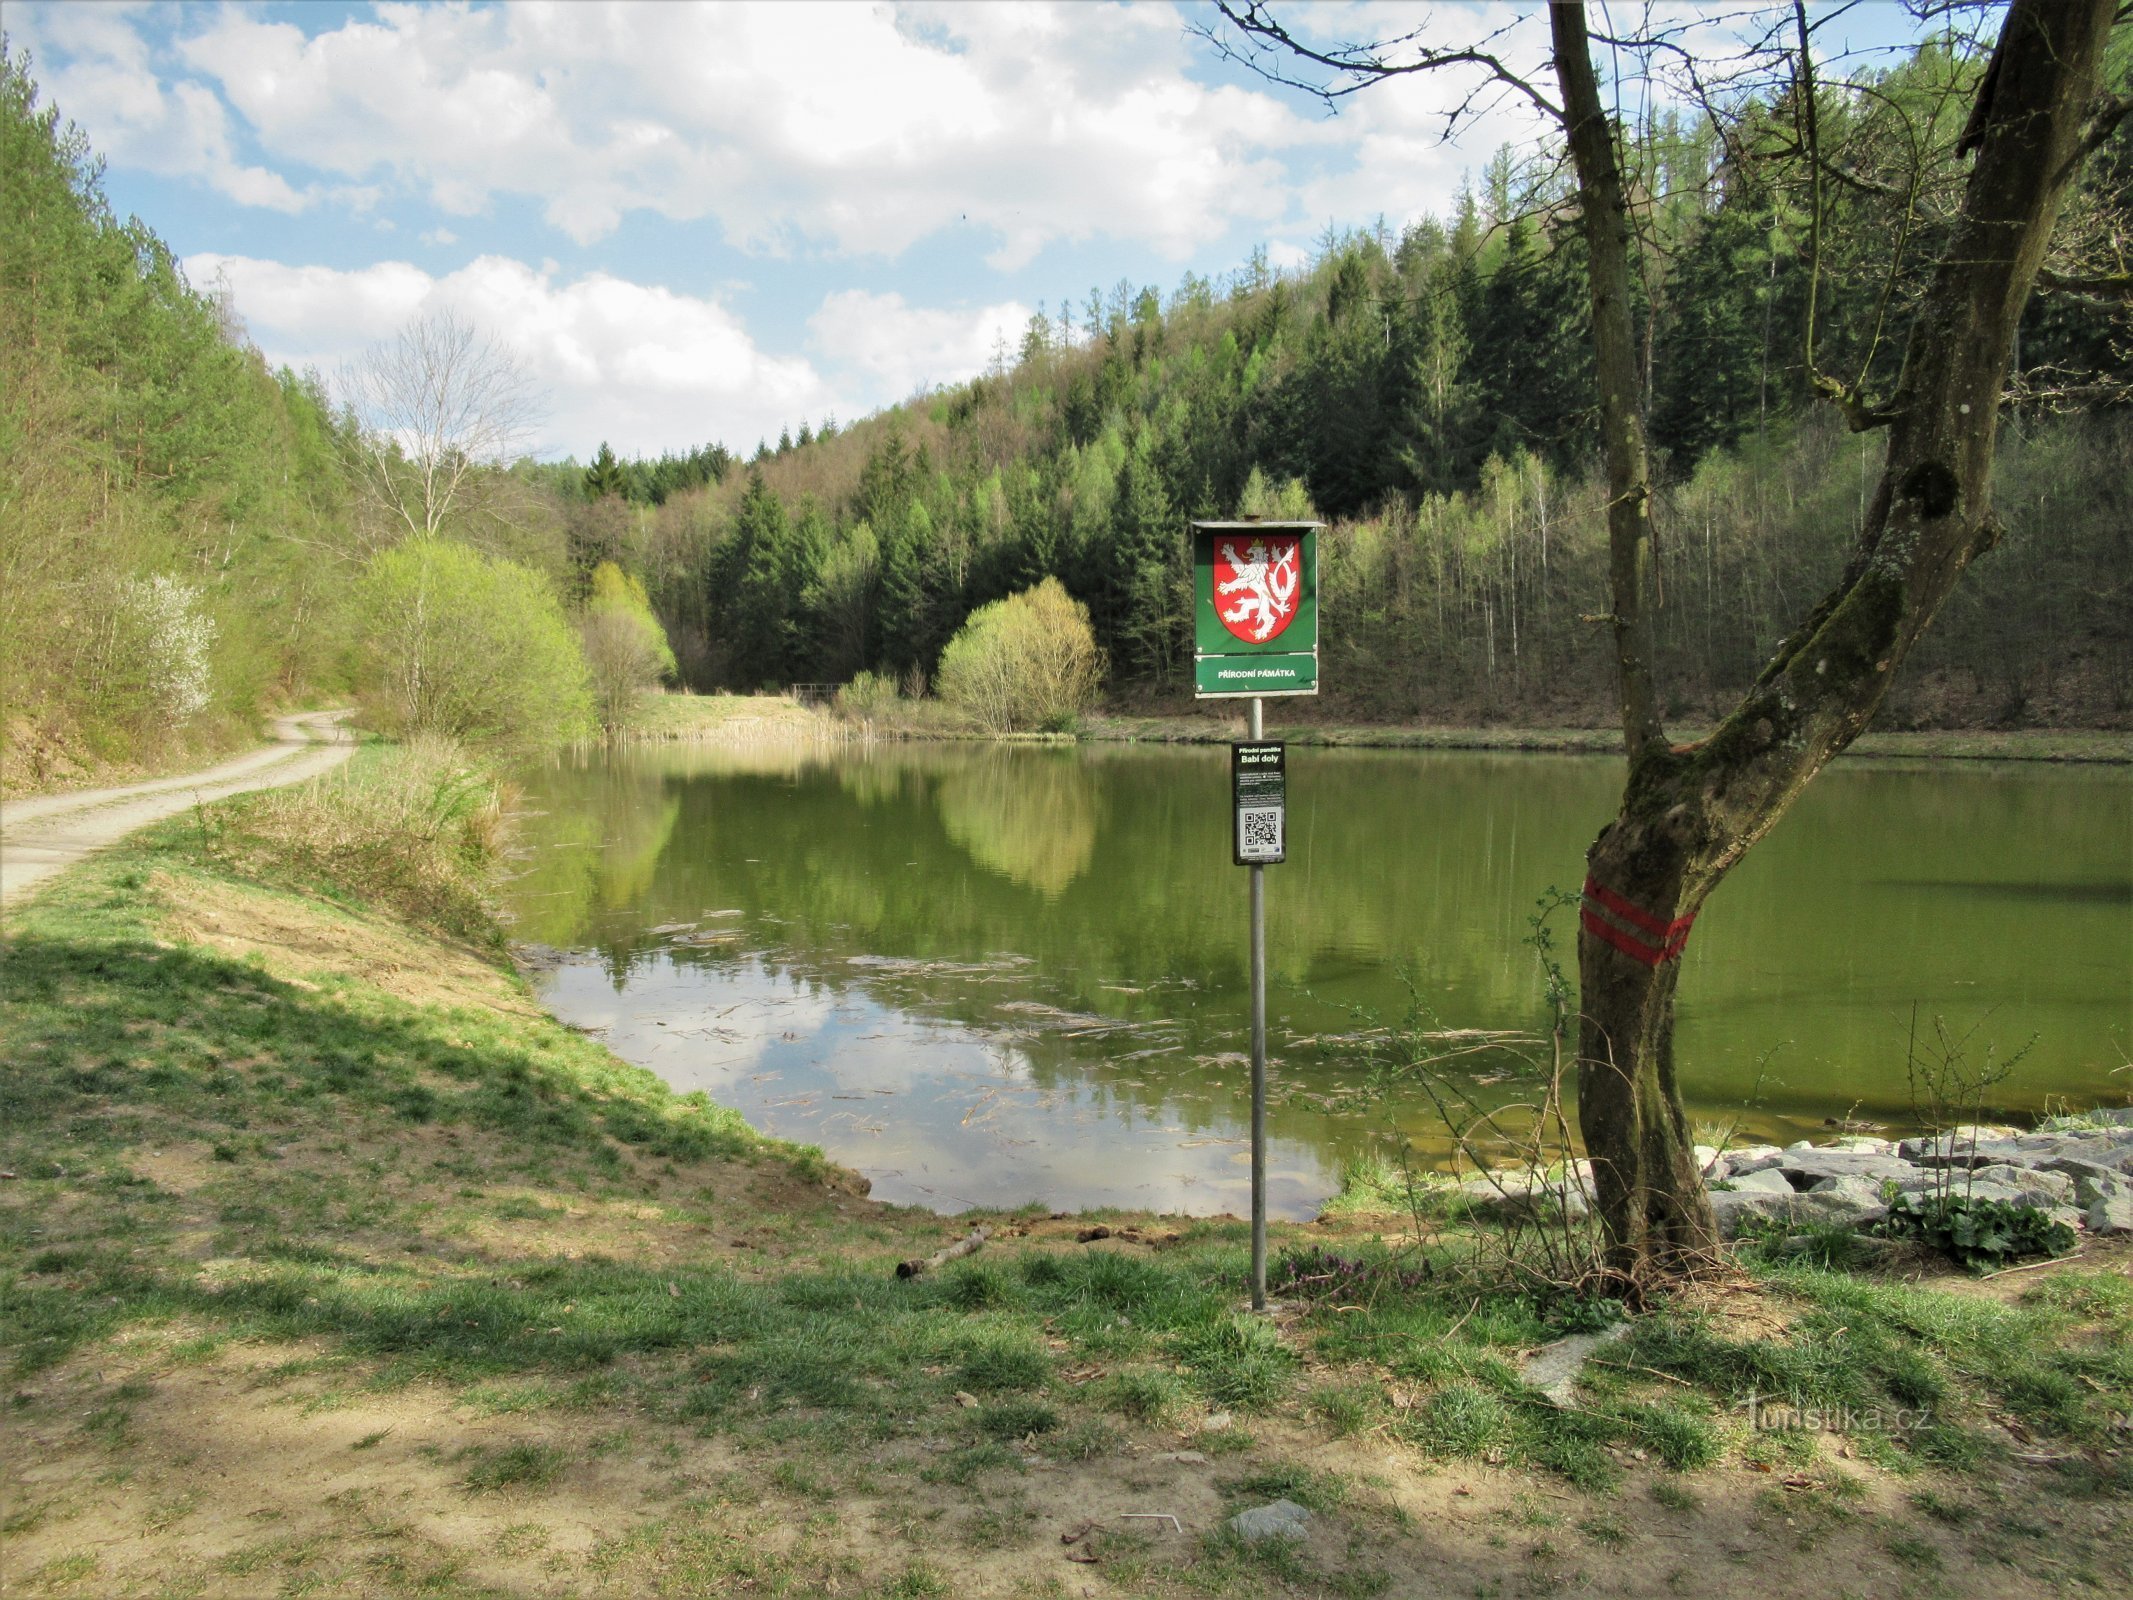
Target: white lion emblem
(1268, 585)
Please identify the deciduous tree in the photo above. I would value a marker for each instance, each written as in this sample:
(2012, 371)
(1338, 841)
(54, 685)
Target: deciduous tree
(438, 402)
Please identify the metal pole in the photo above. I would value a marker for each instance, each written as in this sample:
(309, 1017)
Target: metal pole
(1258, 1058)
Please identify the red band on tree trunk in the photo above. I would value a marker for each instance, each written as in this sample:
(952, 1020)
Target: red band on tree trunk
(1667, 938)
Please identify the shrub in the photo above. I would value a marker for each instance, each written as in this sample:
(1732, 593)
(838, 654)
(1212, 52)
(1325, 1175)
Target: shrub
(1978, 1233)
(1029, 661)
(626, 650)
(476, 648)
(866, 697)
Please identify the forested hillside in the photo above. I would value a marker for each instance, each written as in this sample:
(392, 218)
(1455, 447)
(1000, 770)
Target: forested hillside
(164, 497)
(187, 538)
(1430, 393)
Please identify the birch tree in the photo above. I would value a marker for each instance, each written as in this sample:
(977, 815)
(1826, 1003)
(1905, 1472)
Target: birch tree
(437, 403)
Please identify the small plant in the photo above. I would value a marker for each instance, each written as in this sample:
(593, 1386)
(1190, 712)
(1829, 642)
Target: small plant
(1237, 1361)
(1316, 1273)
(1981, 1234)
(1146, 1396)
(529, 1466)
(1017, 1418)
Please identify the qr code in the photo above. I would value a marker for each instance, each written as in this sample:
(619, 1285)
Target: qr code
(1259, 832)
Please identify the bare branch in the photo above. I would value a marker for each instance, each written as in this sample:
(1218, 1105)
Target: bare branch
(435, 404)
(2109, 290)
(1355, 67)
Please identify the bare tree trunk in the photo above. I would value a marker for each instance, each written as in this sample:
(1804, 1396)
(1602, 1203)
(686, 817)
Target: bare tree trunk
(1689, 813)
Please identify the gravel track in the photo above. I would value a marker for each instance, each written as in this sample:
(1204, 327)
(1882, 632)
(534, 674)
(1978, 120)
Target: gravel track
(40, 836)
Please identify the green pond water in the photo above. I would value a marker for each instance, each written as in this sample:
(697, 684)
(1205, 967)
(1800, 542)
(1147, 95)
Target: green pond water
(985, 976)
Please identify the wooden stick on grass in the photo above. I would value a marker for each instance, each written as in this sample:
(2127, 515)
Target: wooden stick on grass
(940, 1258)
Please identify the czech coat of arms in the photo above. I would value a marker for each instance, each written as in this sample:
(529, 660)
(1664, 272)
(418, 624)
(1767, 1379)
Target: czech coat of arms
(1255, 584)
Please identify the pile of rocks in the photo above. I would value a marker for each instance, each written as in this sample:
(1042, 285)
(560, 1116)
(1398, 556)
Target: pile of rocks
(2081, 1174)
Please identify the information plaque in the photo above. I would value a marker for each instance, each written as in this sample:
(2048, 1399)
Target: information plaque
(1259, 803)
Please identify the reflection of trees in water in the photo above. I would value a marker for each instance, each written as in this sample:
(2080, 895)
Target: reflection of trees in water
(591, 848)
(1115, 883)
(1031, 818)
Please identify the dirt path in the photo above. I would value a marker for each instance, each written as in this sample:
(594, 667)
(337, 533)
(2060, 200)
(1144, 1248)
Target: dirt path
(38, 837)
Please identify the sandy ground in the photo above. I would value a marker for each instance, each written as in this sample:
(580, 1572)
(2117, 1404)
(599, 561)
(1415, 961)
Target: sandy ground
(40, 836)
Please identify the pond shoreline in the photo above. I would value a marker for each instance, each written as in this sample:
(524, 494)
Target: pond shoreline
(742, 719)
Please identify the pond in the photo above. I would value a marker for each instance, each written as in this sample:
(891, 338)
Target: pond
(991, 975)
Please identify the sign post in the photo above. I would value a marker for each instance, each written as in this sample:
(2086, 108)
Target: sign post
(1255, 633)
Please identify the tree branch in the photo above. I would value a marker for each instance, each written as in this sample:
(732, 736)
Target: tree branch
(1629, 494)
(2106, 290)
(1356, 66)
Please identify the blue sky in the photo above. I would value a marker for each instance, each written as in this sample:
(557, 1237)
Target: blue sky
(696, 222)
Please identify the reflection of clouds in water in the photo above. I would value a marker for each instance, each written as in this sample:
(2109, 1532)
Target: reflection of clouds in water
(935, 1113)
(1032, 819)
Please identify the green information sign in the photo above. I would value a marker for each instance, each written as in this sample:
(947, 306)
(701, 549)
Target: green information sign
(1255, 608)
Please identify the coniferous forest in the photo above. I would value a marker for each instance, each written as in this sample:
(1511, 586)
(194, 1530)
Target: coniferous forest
(186, 531)
(1430, 394)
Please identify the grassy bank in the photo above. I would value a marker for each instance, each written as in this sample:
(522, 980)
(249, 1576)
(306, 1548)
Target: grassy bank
(331, 1263)
(2017, 744)
(723, 718)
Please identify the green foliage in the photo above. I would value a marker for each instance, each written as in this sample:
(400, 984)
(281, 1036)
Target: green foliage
(1979, 1233)
(1029, 661)
(626, 650)
(173, 508)
(604, 476)
(1432, 395)
(866, 697)
(462, 644)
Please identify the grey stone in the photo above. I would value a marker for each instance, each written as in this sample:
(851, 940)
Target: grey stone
(1866, 1191)
(2008, 1194)
(1861, 1145)
(2121, 1115)
(2057, 1187)
(1284, 1519)
(1765, 1180)
(2110, 1214)
(2091, 1182)
(1953, 1141)
(1735, 1209)
(1753, 1158)
(2113, 1150)
(1813, 1165)
(1554, 1368)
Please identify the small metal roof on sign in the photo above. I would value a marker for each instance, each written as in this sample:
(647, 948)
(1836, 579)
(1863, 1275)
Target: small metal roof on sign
(1218, 527)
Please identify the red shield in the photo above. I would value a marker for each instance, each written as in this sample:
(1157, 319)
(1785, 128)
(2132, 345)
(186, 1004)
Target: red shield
(1257, 579)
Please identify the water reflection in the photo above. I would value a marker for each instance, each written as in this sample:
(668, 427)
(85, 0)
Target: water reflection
(1029, 816)
(1058, 934)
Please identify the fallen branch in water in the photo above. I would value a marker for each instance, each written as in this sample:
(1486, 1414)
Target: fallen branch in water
(940, 1258)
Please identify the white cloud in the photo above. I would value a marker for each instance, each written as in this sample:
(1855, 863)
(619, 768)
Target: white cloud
(642, 365)
(106, 82)
(901, 348)
(861, 128)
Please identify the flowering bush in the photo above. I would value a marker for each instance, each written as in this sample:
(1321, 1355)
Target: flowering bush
(161, 643)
